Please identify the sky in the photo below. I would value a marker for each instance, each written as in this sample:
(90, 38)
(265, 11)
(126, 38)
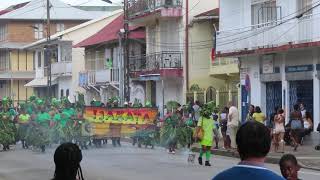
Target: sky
(6, 3)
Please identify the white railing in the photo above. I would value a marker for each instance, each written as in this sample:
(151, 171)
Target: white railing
(225, 61)
(95, 77)
(283, 32)
(61, 68)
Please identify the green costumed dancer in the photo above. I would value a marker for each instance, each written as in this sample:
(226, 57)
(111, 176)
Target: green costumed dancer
(207, 124)
(7, 126)
(24, 124)
(39, 136)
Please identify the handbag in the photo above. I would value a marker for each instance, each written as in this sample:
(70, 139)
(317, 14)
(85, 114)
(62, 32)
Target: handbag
(199, 132)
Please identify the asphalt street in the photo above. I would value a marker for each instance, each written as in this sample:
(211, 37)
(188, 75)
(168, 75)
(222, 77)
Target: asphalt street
(122, 163)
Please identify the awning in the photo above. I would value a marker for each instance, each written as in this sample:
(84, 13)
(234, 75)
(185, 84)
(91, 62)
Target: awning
(41, 82)
(111, 32)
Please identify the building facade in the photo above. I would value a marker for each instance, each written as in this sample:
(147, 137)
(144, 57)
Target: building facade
(103, 61)
(69, 60)
(26, 24)
(277, 44)
(178, 48)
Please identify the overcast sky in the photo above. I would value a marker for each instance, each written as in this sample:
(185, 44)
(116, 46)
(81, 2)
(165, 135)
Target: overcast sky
(6, 3)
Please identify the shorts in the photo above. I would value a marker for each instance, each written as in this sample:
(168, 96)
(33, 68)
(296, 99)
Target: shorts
(216, 133)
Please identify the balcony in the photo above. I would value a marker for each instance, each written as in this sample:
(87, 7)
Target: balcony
(99, 77)
(145, 10)
(61, 69)
(269, 37)
(223, 68)
(165, 64)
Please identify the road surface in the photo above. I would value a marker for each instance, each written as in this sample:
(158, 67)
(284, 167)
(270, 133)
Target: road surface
(122, 163)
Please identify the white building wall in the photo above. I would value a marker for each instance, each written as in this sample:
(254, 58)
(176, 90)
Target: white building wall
(237, 33)
(64, 83)
(172, 92)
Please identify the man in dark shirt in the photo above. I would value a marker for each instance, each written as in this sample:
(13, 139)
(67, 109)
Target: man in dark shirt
(253, 142)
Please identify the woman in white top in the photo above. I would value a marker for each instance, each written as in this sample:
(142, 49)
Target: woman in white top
(278, 131)
(307, 124)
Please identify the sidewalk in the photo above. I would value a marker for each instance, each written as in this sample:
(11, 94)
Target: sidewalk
(308, 157)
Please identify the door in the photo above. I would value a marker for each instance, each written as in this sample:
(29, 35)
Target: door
(273, 97)
(301, 92)
(153, 93)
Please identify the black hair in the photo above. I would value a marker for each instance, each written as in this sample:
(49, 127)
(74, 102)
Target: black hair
(280, 111)
(67, 158)
(288, 157)
(257, 109)
(253, 140)
(225, 110)
(296, 107)
(308, 115)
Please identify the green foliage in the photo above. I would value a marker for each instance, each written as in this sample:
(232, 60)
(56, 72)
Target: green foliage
(206, 111)
(195, 87)
(137, 103)
(172, 105)
(175, 130)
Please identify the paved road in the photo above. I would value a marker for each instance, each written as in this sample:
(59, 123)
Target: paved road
(122, 163)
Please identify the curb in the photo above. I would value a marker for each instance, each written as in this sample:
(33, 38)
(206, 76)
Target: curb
(269, 159)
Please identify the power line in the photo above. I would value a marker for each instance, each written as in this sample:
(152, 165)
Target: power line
(265, 30)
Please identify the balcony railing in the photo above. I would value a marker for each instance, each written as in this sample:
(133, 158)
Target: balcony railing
(269, 35)
(98, 77)
(61, 69)
(225, 61)
(156, 61)
(141, 7)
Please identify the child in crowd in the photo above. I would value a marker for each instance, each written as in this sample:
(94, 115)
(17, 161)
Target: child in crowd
(289, 167)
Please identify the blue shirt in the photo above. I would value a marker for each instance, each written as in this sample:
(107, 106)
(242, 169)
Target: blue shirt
(246, 172)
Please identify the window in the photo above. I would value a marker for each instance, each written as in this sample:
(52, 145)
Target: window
(4, 60)
(303, 6)
(265, 13)
(39, 59)
(38, 31)
(3, 32)
(67, 93)
(60, 27)
(61, 93)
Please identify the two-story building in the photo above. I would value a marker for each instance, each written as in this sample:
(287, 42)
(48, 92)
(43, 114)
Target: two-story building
(103, 62)
(26, 24)
(68, 60)
(277, 43)
(179, 42)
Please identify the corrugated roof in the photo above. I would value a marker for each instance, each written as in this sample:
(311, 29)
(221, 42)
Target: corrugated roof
(59, 34)
(36, 10)
(13, 7)
(12, 45)
(213, 12)
(110, 33)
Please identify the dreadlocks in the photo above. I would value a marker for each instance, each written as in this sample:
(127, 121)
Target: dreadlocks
(67, 158)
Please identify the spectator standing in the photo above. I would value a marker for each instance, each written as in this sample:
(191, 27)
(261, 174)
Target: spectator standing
(233, 124)
(296, 126)
(303, 111)
(271, 123)
(278, 131)
(215, 117)
(254, 141)
(289, 167)
(196, 110)
(258, 115)
(223, 125)
(307, 124)
(250, 113)
(67, 158)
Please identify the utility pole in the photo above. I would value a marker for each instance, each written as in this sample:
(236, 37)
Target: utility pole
(126, 51)
(48, 51)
